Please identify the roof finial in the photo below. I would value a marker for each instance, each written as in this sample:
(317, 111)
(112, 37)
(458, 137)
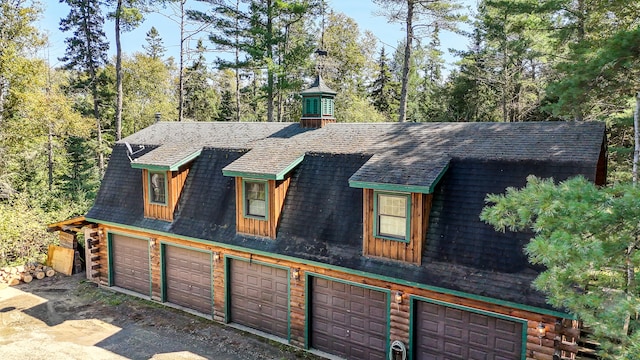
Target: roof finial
(321, 53)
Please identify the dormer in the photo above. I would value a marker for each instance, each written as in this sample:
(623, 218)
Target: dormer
(397, 196)
(317, 105)
(164, 173)
(262, 178)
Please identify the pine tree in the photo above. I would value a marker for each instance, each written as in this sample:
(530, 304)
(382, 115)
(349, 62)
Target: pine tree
(154, 48)
(80, 181)
(438, 13)
(87, 52)
(260, 31)
(226, 111)
(586, 238)
(384, 90)
(232, 28)
(201, 100)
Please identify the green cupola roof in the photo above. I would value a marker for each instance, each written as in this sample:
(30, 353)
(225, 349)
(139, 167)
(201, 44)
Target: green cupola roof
(318, 87)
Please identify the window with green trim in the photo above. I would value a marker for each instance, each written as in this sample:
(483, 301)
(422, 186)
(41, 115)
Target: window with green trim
(157, 187)
(392, 216)
(255, 199)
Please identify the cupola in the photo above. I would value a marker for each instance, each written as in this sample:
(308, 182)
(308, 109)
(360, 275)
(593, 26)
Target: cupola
(317, 105)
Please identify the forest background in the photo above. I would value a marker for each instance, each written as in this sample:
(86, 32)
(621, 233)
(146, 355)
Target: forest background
(527, 60)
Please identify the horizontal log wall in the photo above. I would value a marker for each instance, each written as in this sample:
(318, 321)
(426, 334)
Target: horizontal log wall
(298, 306)
(101, 249)
(219, 292)
(536, 348)
(156, 277)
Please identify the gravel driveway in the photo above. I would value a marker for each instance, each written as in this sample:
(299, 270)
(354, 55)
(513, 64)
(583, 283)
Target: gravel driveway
(66, 317)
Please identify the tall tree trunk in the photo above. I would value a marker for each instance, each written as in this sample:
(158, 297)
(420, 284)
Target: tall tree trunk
(50, 156)
(402, 116)
(237, 70)
(3, 90)
(93, 75)
(582, 16)
(181, 65)
(96, 114)
(118, 73)
(270, 75)
(636, 138)
(631, 281)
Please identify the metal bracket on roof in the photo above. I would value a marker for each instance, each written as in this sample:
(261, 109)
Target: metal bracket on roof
(130, 151)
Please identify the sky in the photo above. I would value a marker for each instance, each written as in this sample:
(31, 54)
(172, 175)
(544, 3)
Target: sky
(362, 11)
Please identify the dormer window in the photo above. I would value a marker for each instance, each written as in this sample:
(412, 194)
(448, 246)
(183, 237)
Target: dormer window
(164, 174)
(255, 194)
(392, 216)
(261, 186)
(397, 200)
(157, 187)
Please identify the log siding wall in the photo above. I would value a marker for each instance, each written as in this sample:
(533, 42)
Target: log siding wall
(175, 183)
(411, 251)
(276, 193)
(399, 314)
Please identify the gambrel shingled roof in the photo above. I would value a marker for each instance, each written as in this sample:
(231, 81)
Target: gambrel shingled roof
(322, 214)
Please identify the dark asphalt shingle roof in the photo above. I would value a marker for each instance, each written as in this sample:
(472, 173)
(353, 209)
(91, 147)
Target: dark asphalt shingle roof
(276, 145)
(168, 155)
(405, 171)
(322, 215)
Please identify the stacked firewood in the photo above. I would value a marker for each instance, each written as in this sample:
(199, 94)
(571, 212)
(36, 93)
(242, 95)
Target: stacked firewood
(24, 273)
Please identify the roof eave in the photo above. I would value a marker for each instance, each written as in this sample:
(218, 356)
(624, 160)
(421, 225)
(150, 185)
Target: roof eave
(172, 167)
(280, 175)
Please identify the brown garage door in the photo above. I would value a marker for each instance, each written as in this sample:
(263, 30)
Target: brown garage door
(348, 320)
(444, 332)
(130, 262)
(259, 297)
(188, 278)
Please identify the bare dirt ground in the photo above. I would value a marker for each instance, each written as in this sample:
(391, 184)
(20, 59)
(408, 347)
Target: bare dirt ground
(66, 317)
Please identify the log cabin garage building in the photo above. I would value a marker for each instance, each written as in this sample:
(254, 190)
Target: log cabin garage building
(353, 241)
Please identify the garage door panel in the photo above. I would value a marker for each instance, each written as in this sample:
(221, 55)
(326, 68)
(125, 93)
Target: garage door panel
(130, 261)
(377, 327)
(504, 345)
(444, 332)
(345, 320)
(188, 280)
(259, 297)
(479, 339)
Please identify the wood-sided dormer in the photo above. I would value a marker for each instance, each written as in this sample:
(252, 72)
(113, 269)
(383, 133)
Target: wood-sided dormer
(397, 198)
(164, 173)
(262, 179)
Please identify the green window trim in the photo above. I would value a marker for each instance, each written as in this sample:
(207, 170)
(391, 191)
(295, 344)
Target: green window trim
(251, 188)
(377, 216)
(158, 189)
